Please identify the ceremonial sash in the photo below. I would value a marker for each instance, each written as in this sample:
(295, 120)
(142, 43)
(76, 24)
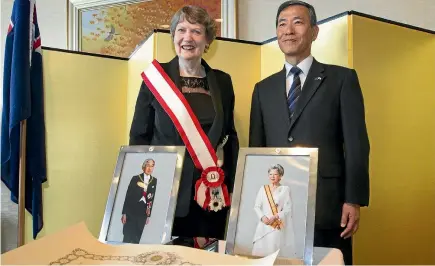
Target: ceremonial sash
(201, 242)
(210, 191)
(277, 224)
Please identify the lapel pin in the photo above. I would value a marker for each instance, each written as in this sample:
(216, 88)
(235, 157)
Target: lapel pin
(318, 78)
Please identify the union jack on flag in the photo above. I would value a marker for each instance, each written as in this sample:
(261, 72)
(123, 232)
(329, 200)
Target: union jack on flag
(34, 35)
(23, 99)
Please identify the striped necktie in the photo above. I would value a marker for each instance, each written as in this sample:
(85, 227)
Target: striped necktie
(295, 90)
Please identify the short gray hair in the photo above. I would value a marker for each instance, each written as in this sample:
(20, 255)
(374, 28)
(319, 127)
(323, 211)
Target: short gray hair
(146, 161)
(311, 11)
(195, 15)
(278, 168)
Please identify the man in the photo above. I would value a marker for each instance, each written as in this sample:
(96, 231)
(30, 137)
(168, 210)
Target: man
(138, 203)
(309, 104)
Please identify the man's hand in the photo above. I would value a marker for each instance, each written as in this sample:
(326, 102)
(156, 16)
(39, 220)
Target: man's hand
(148, 220)
(123, 219)
(349, 219)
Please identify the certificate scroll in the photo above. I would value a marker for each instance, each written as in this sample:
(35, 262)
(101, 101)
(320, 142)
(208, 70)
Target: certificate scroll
(75, 245)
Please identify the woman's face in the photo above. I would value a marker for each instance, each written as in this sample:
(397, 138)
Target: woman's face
(189, 40)
(274, 177)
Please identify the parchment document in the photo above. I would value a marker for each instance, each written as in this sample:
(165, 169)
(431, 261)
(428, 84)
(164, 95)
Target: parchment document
(76, 245)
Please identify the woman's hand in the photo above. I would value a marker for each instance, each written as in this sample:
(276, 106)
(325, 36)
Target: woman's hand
(272, 219)
(265, 220)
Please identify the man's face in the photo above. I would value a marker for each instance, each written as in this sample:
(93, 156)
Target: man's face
(149, 168)
(294, 31)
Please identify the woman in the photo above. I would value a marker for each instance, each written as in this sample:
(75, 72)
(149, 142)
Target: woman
(273, 207)
(209, 92)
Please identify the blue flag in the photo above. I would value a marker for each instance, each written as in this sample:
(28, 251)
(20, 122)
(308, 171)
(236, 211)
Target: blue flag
(23, 99)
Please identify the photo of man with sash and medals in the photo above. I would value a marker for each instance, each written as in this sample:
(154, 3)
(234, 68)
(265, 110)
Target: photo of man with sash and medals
(273, 206)
(138, 204)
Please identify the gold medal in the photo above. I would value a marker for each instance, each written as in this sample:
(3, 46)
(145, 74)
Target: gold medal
(141, 184)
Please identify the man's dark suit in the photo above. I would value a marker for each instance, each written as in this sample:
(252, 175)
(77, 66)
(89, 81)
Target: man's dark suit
(330, 116)
(152, 126)
(135, 210)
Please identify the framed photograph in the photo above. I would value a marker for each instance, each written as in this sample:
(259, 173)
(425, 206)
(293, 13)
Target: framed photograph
(116, 27)
(142, 199)
(273, 203)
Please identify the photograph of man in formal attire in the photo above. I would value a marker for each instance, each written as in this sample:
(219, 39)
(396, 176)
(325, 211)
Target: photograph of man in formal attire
(138, 203)
(145, 194)
(273, 206)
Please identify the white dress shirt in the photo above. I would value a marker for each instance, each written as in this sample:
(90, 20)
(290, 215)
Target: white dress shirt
(146, 180)
(304, 65)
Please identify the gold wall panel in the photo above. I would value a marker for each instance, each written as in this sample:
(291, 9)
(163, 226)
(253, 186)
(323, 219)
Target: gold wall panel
(85, 112)
(396, 67)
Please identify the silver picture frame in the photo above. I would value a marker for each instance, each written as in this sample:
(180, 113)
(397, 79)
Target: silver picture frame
(168, 160)
(241, 202)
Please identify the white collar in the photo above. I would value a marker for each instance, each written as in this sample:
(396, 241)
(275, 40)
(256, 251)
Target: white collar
(304, 65)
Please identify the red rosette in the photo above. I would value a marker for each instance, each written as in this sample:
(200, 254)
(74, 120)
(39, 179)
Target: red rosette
(213, 176)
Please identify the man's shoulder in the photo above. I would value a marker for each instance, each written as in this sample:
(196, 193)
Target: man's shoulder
(272, 79)
(134, 179)
(332, 68)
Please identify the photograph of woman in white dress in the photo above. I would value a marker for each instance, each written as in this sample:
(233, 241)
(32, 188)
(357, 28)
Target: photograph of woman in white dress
(273, 206)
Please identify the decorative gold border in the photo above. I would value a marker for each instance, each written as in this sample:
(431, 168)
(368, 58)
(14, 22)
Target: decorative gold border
(152, 257)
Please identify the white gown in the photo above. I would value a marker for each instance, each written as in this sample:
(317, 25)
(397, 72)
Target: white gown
(266, 238)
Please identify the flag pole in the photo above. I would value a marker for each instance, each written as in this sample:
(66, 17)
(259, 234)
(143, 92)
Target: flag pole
(22, 185)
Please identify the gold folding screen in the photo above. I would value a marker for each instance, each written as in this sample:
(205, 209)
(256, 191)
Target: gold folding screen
(85, 112)
(396, 67)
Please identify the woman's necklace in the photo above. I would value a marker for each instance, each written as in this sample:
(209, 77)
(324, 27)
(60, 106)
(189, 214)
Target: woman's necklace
(273, 186)
(199, 72)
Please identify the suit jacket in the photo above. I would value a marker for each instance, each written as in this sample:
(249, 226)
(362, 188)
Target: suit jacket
(152, 126)
(329, 116)
(133, 206)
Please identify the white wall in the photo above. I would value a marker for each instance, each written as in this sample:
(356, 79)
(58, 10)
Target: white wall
(51, 17)
(257, 17)
(52, 24)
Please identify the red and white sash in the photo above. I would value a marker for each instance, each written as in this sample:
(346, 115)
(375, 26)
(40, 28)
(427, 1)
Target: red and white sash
(210, 191)
(201, 242)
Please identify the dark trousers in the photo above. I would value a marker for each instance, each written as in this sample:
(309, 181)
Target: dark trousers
(133, 229)
(331, 238)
